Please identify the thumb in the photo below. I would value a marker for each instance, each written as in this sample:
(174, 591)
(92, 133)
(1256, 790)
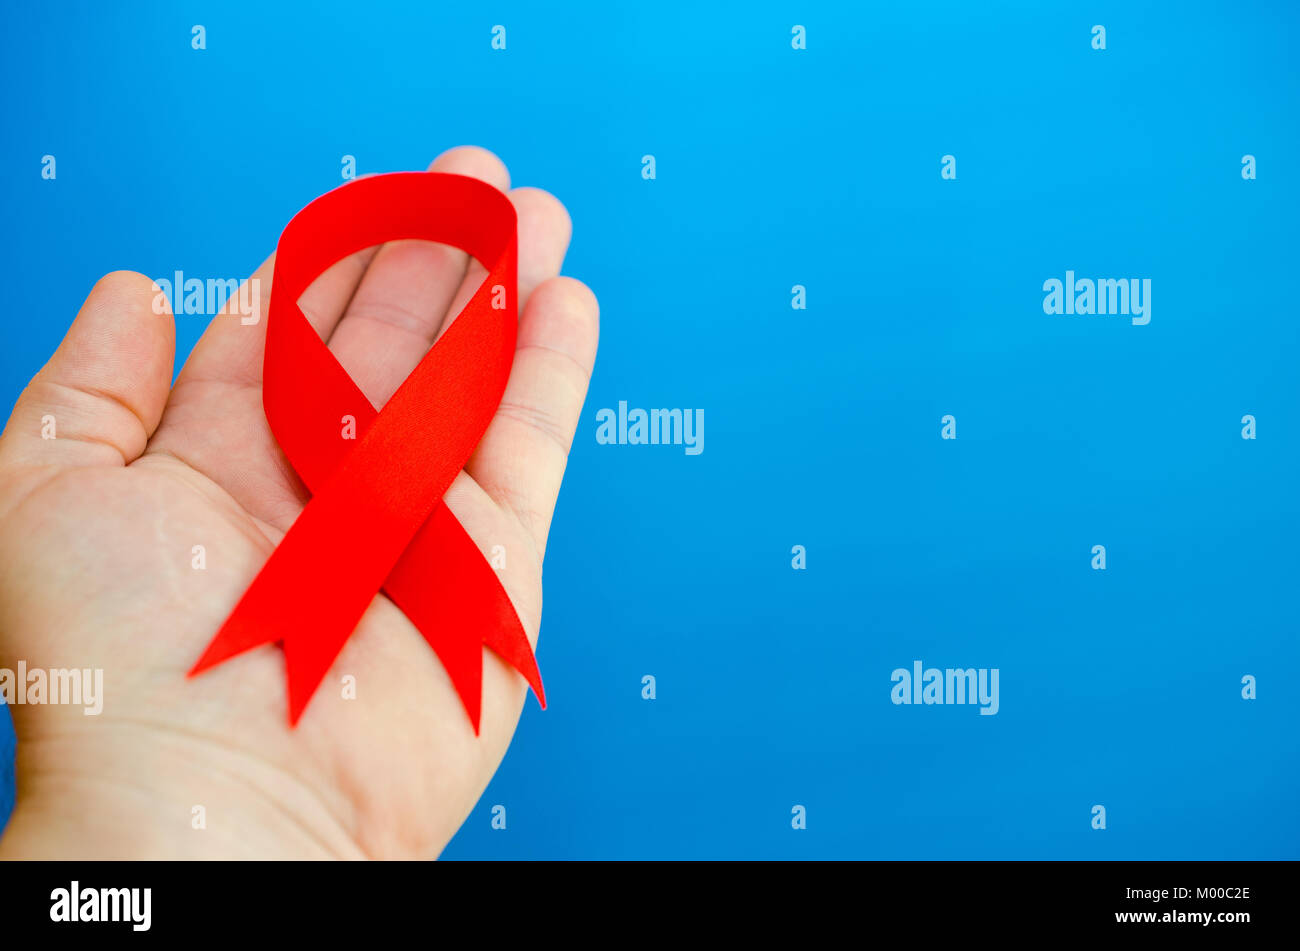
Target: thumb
(100, 397)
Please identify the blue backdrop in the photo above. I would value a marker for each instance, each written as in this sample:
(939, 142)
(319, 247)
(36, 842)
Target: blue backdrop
(818, 167)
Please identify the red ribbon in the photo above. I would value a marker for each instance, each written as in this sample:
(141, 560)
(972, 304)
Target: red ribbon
(376, 518)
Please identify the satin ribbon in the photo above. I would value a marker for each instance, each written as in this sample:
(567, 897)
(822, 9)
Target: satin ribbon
(376, 519)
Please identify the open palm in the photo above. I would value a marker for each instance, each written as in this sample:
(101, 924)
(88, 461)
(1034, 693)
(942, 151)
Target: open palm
(98, 529)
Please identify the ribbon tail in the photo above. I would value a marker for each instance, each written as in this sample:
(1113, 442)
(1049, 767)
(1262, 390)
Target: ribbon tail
(307, 660)
(462, 658)
(447, 589)
(237, 635)
(307, 656)
(509, 642)
(306, 598)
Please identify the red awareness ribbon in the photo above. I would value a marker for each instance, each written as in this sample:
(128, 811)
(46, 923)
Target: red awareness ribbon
(376, 518)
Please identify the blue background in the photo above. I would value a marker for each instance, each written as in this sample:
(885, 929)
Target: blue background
(819, 167)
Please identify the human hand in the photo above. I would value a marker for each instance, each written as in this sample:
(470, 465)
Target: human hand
(97, 527)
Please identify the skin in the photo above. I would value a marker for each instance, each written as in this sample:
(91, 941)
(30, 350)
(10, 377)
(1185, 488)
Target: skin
(98, 524)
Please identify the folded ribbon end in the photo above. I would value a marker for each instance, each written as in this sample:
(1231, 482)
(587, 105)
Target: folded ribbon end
(510, 643)
(233, 639)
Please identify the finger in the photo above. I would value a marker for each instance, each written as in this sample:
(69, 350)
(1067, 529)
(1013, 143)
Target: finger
(99, 398)
(521, 458)
(544, 232)
(400, 302)
(214, 421)
(230, 350)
